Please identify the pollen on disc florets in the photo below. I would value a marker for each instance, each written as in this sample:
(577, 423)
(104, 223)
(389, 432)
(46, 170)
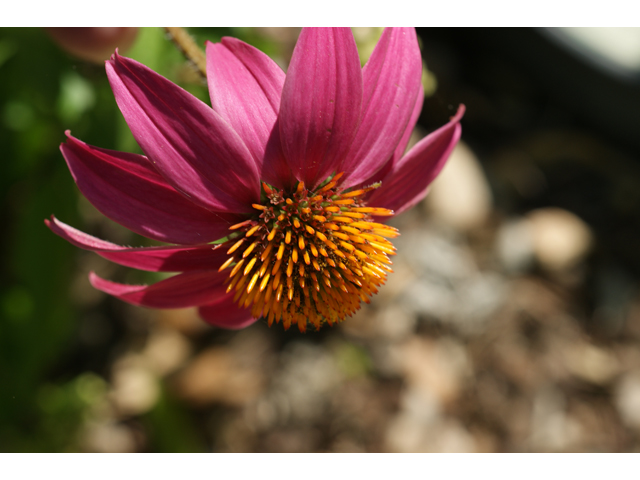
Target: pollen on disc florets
(309, 256)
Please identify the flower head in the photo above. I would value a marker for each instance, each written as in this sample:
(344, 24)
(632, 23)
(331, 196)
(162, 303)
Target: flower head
(296, 172)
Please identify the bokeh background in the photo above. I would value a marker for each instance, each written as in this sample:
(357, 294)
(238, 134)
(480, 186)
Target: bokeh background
(511, 323)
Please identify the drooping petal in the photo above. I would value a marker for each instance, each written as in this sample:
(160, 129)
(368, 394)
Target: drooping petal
(192, 147)
(126, 188)
(226, 314)
(321, 102)
(153, 259)
(245, 87)
(392, 83)
(402, 146)
(408, 180)
(184, 290)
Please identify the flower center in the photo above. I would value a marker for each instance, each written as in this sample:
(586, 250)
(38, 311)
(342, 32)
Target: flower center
(309, 257)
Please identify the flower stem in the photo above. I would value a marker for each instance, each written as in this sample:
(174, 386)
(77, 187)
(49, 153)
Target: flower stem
(189, 48)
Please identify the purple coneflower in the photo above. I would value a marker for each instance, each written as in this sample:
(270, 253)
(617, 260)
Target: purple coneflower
(295, 172)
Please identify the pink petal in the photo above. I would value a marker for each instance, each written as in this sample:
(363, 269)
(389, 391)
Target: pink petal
(408, 180)
(275, 168)
(226, 314)
(245, 87)
(321, 102)
(406, 136)
(127, 189)
(184, 290)
(392, 82)
(154, 259)
(191, 146)
(402, 146)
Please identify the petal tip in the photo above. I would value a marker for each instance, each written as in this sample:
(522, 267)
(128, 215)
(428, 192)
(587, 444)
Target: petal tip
(460, 113)
(209, 45)
(95, 280)
(113, 56)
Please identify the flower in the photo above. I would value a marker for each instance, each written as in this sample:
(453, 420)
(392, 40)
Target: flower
(295, 172)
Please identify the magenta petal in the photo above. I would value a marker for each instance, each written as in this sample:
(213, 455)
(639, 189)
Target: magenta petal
(226, 314)
(154, 259)
(406, 136)
(184, 290)
(402, 146)
(392, 81)
(127, 189)
(245, 87)
(275, 168)
(408, 180)
(191, 146)
(321, 102)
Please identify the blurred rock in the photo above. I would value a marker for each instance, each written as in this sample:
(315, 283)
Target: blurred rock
(166, 350)
(627, 399)
(430, 298)
(434, 251)
(478, 297)
(466, 304)
(108, 438)
(591, 363)
(218, 375)
(460, 196)
(135, 388)
(394, 322)
(361, 409)
(305, 381)
(560, 239)
(437, 368)
(537, 298)
(552, 429)
(419, 427)
(514, 245)
(407, 430)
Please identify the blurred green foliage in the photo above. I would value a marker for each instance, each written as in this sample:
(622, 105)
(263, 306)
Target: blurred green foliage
(43, 92)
